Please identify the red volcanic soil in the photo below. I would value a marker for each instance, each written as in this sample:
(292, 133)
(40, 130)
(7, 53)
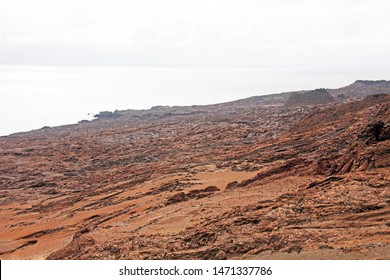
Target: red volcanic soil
(252, 179)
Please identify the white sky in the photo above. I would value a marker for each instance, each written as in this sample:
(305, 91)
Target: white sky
(312, 33)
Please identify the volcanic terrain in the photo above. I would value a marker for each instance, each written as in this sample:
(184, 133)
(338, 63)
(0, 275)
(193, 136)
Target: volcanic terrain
(303, 175)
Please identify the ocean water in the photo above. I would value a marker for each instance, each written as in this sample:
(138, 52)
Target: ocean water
(35, 96)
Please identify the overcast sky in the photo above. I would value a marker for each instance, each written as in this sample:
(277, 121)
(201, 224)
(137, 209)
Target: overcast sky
(312, 33)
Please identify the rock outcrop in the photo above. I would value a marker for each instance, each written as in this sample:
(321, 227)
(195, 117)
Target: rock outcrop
(314, 97)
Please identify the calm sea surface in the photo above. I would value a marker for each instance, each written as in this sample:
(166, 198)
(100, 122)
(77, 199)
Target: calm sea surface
(35, 96)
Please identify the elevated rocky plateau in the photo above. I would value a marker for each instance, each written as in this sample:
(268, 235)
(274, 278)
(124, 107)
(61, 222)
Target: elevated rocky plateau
(251, 179)
(314, 97)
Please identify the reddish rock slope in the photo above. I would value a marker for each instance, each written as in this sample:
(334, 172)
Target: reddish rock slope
(239, 180)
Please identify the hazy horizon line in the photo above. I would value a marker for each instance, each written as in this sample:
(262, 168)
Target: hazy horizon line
(319, 68)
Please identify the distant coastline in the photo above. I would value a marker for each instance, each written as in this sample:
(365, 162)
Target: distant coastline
(32, 97)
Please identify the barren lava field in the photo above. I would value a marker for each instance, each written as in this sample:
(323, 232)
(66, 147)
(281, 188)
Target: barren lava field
(302, 175)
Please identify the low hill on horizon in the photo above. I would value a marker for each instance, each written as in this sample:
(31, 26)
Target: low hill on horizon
(314, 97)
(357, 90)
